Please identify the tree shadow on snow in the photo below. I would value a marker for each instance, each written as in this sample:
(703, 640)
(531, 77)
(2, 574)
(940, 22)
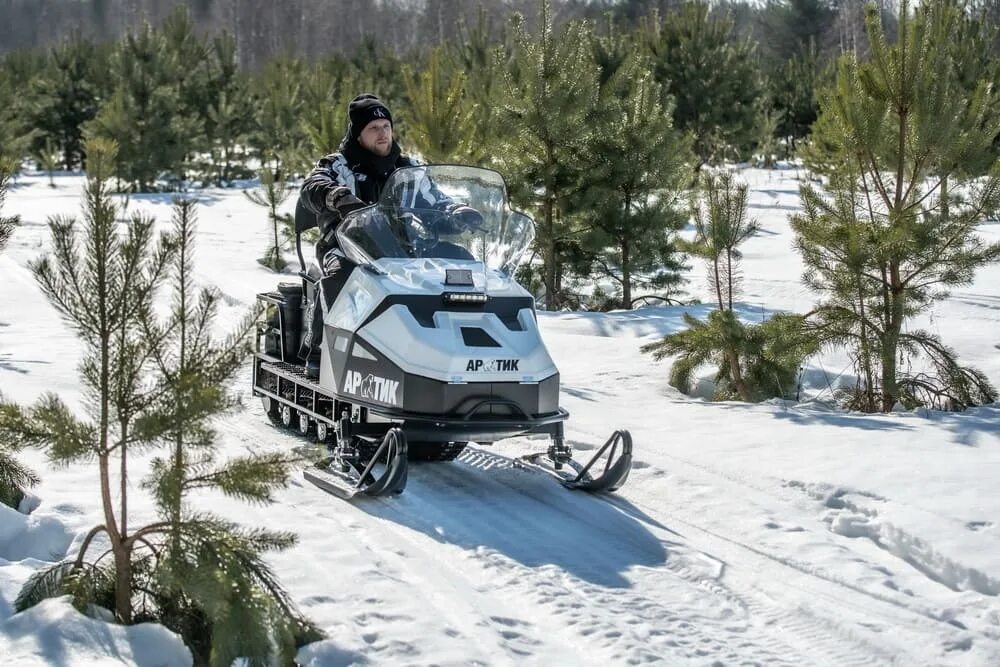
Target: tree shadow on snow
(648, 320)
(807, 415)
(482, 501)
(970, 426)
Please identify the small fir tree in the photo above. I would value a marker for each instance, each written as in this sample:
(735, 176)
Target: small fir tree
(721, 226)
(271, 195)
(228, 112)
(550, 95)
(102, 282)
(146, 115)
(66, 97)
(209, 581)
(639, 169)
(898, 228)
(157, 383)
(278, 138)
(481, 60)
(753, 362)
(439, 112)
(46, 160)
(712, 75)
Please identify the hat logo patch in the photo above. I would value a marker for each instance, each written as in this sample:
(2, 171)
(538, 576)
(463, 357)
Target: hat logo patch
(378, 113)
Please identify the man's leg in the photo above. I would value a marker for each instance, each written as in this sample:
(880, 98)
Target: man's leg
(336, 270)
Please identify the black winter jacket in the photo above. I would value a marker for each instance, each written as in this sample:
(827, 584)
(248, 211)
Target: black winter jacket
(355, 168)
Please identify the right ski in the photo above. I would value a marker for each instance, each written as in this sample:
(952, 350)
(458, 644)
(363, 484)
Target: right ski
(613, 473)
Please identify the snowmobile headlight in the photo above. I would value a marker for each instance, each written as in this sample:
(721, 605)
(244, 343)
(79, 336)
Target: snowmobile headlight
(465, 297)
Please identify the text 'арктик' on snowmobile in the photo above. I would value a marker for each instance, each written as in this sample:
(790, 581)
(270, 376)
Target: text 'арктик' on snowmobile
(428, 343)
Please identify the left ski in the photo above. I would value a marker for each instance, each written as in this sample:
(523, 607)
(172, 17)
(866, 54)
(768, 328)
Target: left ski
(391, 453)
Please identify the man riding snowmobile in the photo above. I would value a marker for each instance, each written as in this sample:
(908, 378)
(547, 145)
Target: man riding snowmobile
(350, 179)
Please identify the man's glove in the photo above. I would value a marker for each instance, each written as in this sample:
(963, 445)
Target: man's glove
(343, 201)
(465, 218)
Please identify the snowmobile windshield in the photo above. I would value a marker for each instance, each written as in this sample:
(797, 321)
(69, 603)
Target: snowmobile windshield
(450, 213)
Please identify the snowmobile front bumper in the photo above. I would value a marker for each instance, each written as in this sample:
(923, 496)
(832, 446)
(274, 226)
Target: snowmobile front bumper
(474, 426)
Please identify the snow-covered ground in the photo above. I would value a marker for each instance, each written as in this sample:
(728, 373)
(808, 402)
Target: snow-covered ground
(748, 534)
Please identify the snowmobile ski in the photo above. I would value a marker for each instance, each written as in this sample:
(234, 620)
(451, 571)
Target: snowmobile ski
(346, 478)
(613, 473)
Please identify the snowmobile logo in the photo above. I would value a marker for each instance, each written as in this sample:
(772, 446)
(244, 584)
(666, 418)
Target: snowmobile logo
(371, 387)
(492, 366)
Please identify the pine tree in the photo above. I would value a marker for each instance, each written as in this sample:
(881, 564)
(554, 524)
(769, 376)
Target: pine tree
(66, 96)
(439, 113)
(551, 92)
(793, 93)
(102, 282)
(146, 115)
(207, 568)
(157, 383)
(14, 476)
(46, 160)
(721, 226)
(639, 167)
(753, 361)
(480, 57)
(17, 71)
(898, 227)
(712, 75)
(278, 138)
(271, 194)
(228, 110)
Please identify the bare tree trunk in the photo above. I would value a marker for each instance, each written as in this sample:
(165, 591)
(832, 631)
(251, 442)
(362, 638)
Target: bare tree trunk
(549, 252)
(626, 275)
(736, 375)
(718, 283)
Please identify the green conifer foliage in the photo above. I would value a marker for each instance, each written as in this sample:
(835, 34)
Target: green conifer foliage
(209, 581)
(897, 228)
(439, 113)
(14, 476)
(550, 94)
(753, 361)
(479, 57)
(793, 92)
(271, 194)
(721, 226)
(279, 138)
(66, 96)
(146, 115)
(712, 75)
(639, 168)
(228, 110)
(102, 282)
(17, 70)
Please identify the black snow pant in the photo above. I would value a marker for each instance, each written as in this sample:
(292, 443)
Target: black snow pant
(336, 270)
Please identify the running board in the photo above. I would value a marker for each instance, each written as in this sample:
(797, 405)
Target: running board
(612, 477)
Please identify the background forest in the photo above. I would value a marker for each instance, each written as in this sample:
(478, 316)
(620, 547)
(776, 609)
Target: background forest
(607, 119)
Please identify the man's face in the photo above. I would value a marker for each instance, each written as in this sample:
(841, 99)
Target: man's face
(377, 137)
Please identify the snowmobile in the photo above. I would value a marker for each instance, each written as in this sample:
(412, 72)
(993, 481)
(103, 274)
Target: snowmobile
(428, 343)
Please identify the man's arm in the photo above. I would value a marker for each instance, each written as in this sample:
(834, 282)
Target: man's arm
(329, 174)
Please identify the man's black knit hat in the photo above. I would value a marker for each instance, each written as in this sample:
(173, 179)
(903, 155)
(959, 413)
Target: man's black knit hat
(363, 109)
